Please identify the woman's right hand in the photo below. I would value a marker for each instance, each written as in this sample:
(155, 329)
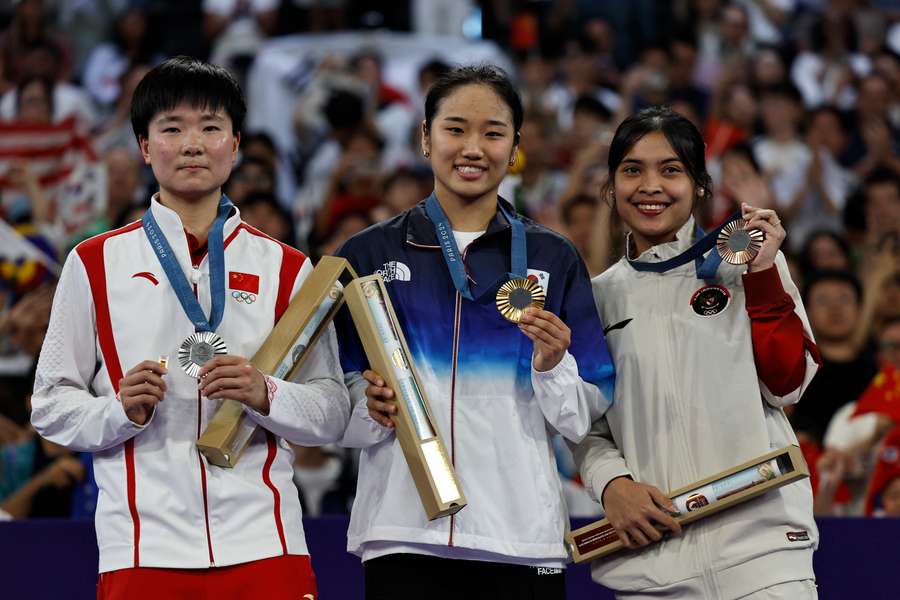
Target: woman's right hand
(379, 399)
(639, 512)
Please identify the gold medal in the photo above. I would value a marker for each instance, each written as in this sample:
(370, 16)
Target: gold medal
(198, 349)
(516, 295)
(738, 245)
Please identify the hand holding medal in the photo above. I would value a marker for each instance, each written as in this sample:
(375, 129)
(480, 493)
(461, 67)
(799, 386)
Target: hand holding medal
(550, 335)
(766, 221)
(141, 389)
(234, 378)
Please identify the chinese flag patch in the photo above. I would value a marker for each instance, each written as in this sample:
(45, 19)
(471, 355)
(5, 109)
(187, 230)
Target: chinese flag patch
(244, 282)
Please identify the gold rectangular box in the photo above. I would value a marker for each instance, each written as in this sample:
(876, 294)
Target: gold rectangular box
(384, 344)
(281, 355)
(702, 498)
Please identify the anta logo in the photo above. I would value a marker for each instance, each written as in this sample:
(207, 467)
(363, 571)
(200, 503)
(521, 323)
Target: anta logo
(148, 276)
(394, 270)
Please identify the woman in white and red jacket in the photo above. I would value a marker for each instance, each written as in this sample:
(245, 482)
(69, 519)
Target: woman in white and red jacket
(100, 388)
(706, 356)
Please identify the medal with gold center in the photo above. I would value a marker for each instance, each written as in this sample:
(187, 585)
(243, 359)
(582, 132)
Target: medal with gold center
(519, 294)
(737, 244)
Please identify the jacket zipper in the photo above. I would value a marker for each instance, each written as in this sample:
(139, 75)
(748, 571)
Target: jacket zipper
(457, 317)
(212, 560)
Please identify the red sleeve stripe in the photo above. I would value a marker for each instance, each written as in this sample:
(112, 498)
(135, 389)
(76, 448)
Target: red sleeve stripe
(291, 261)
(91, 253)
(270, 458)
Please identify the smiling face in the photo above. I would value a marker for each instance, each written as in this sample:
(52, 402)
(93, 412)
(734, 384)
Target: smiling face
(191, 151)
(654, 193)
(471, 142)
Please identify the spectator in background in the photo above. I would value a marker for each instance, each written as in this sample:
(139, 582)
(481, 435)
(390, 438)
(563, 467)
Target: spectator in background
(825, 250)
(578, 217)
(44, 60)
(401, 190)
(252, 175)
(262, 211)
(732, 119)
(882, 209)
(820, 190)
(874, 142)
(354, 184)
(682, 67)
(108, 64)
(833, 301)
(30, 29)
(741, 181)
(345, 114)
(116, 128)
(825, 73)
(125, 188)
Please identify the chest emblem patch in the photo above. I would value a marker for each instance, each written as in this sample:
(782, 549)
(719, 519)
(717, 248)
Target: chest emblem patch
(710, 300)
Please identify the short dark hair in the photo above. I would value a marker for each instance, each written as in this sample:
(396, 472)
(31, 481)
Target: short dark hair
(881, 176)
(846, 277)
(806, 265)
(681, 134)
(589, 104)
(183, 79)
(487, 75)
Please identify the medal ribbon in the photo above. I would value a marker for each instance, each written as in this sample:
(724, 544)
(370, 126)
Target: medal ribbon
(706, 267)
(180, 284)
(452, 256)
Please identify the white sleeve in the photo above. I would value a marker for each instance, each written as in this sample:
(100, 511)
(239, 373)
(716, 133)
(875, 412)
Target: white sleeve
(362, 430)
(64, 408)
(599, 460)
(569, 403)
(312, 409)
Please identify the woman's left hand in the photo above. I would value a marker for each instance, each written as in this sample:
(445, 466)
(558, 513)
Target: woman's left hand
(767, 221)
(550, 335)
(232, 377)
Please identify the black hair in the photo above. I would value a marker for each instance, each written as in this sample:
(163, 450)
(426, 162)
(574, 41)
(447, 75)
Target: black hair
(832, 110)
(186, 80)
(589, 104)
(744, 149)
(805, 257)
(46, 84)
(344, 110)
(487, 75)
(259, 137)
(880, 176)
(817, 277)
(435, 67)
(681, 134)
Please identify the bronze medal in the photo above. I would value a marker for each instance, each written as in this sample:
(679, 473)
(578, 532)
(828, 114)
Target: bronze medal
(516, 295)
(738, 245)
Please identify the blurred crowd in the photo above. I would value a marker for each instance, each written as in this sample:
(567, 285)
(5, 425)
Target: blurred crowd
(798, 101)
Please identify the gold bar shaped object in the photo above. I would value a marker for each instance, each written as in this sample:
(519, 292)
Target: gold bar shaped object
(281, 355)
(384, 344)
(702, 498)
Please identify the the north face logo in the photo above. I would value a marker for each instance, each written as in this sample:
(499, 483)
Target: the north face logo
(394, 270)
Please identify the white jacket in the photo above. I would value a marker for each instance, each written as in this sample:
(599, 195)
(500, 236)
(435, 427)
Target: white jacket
(161, 504)
(688, 404)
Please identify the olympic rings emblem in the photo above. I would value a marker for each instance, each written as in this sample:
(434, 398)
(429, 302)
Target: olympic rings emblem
(243, 297)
